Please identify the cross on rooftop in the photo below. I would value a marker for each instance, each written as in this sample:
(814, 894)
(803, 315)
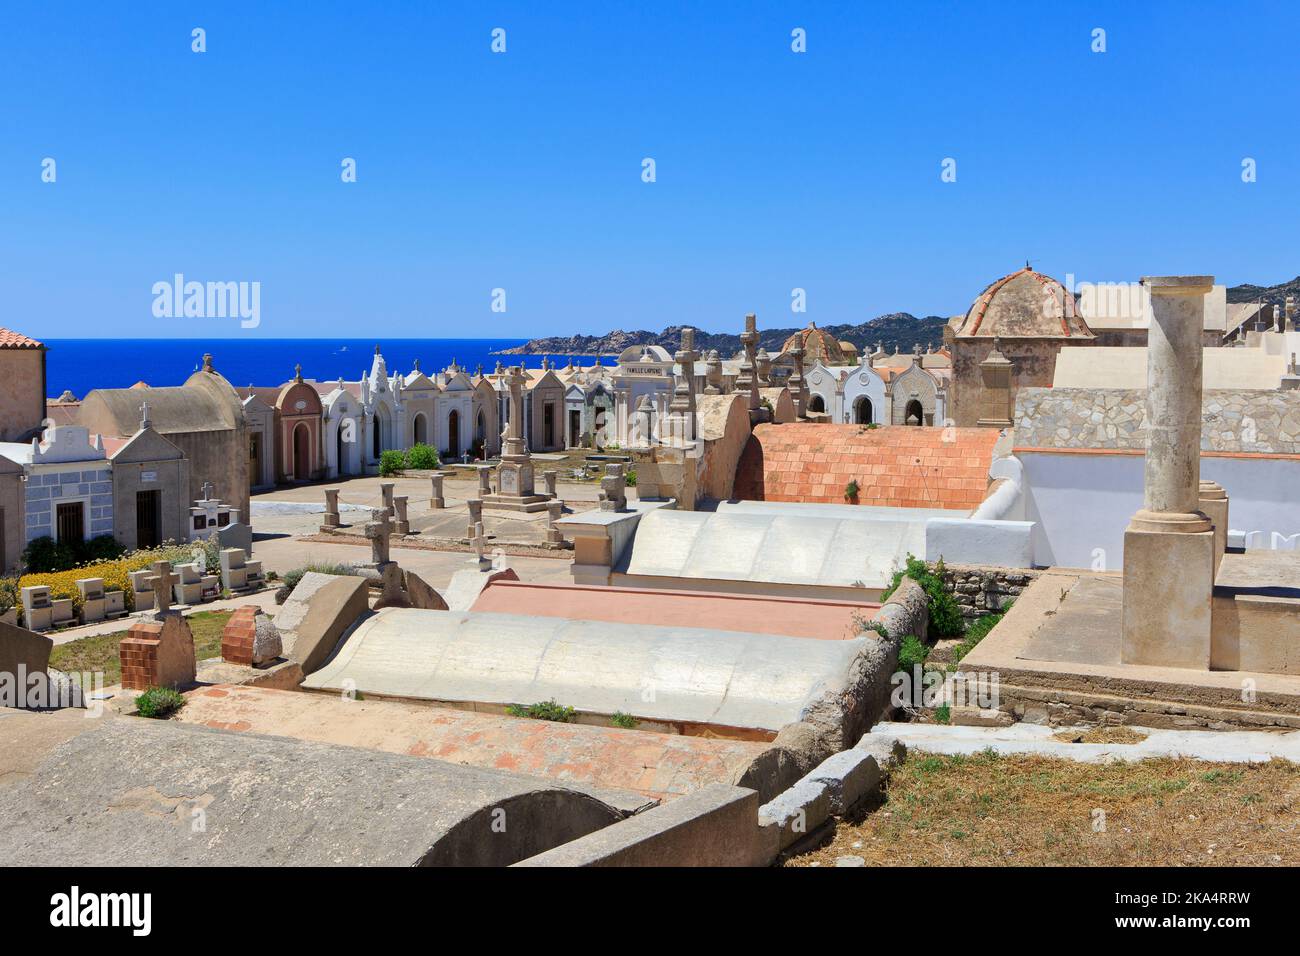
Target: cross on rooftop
(144, 415)
(207, 491)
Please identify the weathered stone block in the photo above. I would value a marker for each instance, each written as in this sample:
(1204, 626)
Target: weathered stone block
(796, 812)
(848, 776)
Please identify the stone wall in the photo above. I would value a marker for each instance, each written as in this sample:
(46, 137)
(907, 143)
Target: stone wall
(22, 392)
(980, 589)
(1231, 421)
(1034, 362)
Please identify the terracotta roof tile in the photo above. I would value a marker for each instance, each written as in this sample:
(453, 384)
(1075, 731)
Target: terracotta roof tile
(894, 465)
(16, 340)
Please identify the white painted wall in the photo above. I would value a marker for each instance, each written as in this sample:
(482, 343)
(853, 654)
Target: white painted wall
(1082, 503)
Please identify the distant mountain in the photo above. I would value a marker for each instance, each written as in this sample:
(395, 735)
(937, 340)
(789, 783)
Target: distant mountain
(899, 329)
(1275, 294)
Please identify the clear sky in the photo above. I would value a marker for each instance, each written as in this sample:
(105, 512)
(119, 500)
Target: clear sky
(523, 170)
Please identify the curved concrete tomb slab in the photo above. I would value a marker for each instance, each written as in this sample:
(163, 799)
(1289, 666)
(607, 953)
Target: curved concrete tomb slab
(774, 547)
(136, 792)
(678, 675)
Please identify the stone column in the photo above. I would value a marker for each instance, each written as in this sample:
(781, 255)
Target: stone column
(484, 480)
(475, 506)
(436, 500)
(331, 509)
(550, 477)
(1169, 544)
(387, 490)
(403, 523)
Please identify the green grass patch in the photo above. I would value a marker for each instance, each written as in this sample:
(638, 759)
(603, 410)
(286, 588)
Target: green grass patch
(545, 710)
(100, 652)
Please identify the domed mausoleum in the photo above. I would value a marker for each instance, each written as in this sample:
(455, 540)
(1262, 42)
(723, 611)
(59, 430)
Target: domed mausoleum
(1029, 317)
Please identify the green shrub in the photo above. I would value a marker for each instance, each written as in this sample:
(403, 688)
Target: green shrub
(291, 578)
(976, 631)
(943, 714)
(8, 593)
(630, 478)
(159, 702)
(944, 612)
(422, 456)
(391, 462)
(546, 710)
(620, 719)
(851, 489)
(911, 652)
(43, 555)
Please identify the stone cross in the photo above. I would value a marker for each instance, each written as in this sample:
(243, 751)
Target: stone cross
(387, 489)
(515, 446)
(436, 500)
(207, 491)
(144, 416)
(403, 523)
(550, 477)
(613, 489)
(378, 530)
(162, 581)
(683, 404)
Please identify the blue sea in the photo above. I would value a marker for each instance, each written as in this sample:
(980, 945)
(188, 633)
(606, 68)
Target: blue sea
(81, 365)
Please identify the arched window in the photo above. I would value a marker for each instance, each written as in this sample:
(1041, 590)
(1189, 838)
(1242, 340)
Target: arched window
(914, 414)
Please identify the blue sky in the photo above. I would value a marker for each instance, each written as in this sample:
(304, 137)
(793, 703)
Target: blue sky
(522, 170)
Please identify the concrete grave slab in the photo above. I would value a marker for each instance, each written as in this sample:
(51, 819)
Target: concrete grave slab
(134, 792)
(689, 677)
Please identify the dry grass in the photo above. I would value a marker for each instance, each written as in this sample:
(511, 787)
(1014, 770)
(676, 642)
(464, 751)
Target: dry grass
(987, 810)
(99, 653)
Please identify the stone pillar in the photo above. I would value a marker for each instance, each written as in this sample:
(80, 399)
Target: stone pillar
(798, 385)
(484, 480)
(331, 509)
(1214, 505)
(1291, 380)
(714, 377)
(1169, 544)
(387, 490)
(554, 511)
(475, 506)
(550, 477)
(436, 500)
(746, 382)
(613, 489)
(403, 523)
